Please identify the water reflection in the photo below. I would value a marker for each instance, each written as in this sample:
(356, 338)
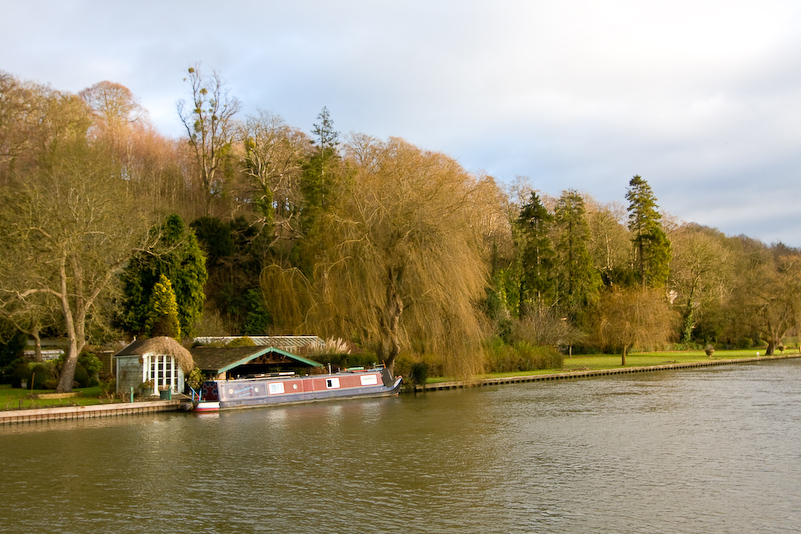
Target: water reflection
(701, 450)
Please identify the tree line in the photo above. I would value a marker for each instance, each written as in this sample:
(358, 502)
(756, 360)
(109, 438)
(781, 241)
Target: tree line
(247, 225)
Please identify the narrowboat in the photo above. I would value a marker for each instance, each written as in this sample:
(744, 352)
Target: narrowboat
(287, 388)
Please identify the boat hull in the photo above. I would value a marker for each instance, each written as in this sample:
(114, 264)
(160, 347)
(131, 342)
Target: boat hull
(243, 393)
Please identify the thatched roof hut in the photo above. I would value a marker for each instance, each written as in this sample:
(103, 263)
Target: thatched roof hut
(162, 345)
(155, 364)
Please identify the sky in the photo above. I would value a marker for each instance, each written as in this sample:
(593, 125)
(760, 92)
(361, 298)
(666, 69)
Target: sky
(702, 98)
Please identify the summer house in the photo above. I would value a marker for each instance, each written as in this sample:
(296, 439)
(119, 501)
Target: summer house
(160, 362)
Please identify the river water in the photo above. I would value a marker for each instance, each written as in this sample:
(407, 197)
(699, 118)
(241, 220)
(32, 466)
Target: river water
(708, 450)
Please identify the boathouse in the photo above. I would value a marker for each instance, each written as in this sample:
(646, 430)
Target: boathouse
(239, 362)
(160, 362)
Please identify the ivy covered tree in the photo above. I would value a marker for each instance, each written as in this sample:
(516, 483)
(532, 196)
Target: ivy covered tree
(162, 318)
(177, 256)
(652, 249)
(538, 260)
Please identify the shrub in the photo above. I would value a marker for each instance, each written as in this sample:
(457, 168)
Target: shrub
(21, 372)
(419, 373)
(41, 373)
(82, 376)
(50, 383)
(406, 361)
(195, 378)
(522, 356)
(108, 385)
(91, 363)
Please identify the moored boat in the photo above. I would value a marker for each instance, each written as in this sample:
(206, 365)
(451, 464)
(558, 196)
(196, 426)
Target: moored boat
(287, 388)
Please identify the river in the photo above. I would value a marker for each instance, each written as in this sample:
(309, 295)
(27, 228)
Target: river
(702, 450)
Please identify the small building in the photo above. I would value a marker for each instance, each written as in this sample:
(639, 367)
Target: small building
(239, 362)
(160, 362)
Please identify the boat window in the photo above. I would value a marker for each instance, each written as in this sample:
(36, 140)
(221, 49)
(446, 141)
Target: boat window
(332, 383)
(369, 380)
(276, 387)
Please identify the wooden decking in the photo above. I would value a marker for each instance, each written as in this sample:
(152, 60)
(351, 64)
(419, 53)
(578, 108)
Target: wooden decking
(564, 375)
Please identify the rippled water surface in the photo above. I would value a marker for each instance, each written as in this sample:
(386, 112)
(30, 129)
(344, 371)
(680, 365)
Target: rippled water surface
(713, 450)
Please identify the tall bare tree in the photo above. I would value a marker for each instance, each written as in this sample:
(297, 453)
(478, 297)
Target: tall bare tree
(210, 128)
(274, 154)
(700, 273)
(69, 229)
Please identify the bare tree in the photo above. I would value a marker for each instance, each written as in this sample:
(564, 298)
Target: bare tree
(210, 128)
(273, 164)
(68, 231)
(700, 271)
(768, 295)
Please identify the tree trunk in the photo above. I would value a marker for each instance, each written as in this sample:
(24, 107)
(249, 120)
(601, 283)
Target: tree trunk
(74, 326)
(394, 311)
(37, 345)
(623, 359)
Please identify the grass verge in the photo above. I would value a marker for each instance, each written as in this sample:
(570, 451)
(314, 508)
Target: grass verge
(19, 399)
(612, 361)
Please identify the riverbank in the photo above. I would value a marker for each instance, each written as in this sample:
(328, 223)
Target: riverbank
(587, 372)
(65, 413)
(61, 413)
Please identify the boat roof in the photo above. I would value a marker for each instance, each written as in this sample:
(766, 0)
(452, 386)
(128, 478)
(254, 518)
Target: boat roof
(222, 359)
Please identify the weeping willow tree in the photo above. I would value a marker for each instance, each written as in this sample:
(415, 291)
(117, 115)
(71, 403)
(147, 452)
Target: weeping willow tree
(634, 317)
(400, 264)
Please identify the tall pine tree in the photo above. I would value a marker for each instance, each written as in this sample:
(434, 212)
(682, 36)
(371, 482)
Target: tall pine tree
(652, 250)
(577, 278)
(537, 278)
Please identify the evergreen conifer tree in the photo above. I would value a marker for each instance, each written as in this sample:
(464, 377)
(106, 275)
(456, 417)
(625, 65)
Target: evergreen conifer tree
(176, 256)
(578, 280)
(537, 279)
(652, 249)
(163, 317)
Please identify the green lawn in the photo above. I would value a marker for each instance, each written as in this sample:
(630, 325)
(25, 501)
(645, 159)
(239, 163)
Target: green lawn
(637, 359)
(15, 399)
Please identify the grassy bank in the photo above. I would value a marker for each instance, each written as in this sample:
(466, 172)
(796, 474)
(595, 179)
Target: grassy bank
(16, 399)
(637, 359)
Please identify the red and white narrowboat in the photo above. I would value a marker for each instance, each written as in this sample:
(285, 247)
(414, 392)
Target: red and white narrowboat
(287, 388)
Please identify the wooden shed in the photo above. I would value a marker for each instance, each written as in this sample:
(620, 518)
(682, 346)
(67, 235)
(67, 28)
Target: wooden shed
(160, 361)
